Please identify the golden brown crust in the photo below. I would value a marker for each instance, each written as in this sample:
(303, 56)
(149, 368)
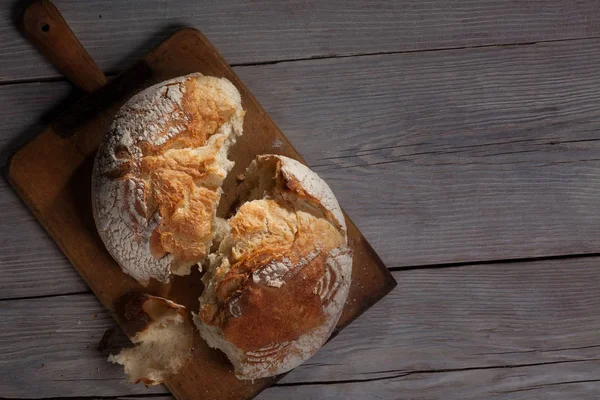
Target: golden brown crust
(170, 179)
(163, 162)
(268, 224)
(271, 296)
(270, 312)
(259, 324)
(202, 110)
(187, 214)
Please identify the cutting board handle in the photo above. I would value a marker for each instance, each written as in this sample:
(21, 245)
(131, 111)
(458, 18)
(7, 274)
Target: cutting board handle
(43, 25)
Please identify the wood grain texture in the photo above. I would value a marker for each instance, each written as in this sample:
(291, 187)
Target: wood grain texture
(507, 331)
(117, 33)
(44, 26)
(52, 175)
(469, 155)
(478, 154)
(548, 382)
(577, 381)
(30, 262)
(452, 156)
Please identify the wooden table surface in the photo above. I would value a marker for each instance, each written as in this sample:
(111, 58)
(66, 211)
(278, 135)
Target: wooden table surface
(462, 137)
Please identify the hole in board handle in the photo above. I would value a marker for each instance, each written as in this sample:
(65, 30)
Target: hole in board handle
(45, 28)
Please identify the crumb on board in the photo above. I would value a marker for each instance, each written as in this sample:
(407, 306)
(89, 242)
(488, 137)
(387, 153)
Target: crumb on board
(277, 143)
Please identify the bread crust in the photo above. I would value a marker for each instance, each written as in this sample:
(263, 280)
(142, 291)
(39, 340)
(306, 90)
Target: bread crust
(158, 171)
(138, 311)
(162, 335)
(277, 288)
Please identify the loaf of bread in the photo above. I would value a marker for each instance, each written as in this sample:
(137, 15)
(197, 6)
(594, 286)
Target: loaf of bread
(162, 335)
(158, 174)
(276, 287)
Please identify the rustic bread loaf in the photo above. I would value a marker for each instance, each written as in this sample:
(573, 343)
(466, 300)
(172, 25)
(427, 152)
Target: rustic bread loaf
(275, 289)
(158, 173)
(162, 335)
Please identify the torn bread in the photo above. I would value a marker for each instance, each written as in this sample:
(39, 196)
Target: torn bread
(162, 337)
(276, 288)
(158, 174)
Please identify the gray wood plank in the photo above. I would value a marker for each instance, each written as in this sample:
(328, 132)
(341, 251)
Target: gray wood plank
(30, 263)
(522, 383)
(439, 157)
(452, 156)
(485, 330)
(548, 382)
(55, 341)
(116, 33)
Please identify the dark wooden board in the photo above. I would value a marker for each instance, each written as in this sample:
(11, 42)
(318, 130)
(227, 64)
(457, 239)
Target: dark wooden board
(479, 331)
(116, 33)
(52, 175)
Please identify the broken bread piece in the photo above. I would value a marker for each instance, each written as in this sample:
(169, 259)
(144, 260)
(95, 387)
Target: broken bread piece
(162, 336)
(158, 173)
(277, 285)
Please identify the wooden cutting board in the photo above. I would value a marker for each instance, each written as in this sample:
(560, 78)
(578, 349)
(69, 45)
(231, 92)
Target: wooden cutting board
(52, 174)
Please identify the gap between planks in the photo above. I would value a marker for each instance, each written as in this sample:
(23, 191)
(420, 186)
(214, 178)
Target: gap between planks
(166, 396)
(439, 139)
(393, 269)
(110, 74)
(273, 30)
(498, 325)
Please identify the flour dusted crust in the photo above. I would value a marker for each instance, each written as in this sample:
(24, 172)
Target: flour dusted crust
(158, 172)
(305, 183)
(277, 286)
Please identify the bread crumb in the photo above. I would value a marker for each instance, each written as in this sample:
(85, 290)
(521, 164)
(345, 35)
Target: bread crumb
(162, 347)
(277, 143)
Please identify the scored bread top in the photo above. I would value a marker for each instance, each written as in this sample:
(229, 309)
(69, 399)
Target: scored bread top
(278, 284)
(158, 172)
